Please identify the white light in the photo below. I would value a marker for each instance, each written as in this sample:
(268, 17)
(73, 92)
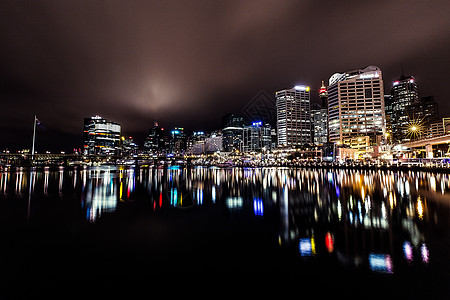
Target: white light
(369, 75)
(301, 88)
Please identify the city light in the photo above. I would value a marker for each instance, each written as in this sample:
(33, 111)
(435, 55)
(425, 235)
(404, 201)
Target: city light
(302, 88)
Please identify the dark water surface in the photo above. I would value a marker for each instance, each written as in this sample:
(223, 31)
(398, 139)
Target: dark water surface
(352, 231)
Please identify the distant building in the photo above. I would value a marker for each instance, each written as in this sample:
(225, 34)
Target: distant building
(155, 143)
(356, 106)
(319, 118)
(101, 136)
(257, 137)
(404, 94)
(177, 141)
(213, 143)
(129, 146)
(232, 132)
(196, 143)
(293, 116)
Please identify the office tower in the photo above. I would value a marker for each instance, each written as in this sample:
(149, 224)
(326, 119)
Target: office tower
(101, 136)
(196, 143)
(213, 143)
(356, 106)
(293, 116)
(319, 118)
(257, 137)
(129, 146)
(154, 143)
(177, 142)
(403, 95)
(232, 130)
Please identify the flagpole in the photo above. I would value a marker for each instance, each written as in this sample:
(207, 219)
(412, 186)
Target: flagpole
(34, 137)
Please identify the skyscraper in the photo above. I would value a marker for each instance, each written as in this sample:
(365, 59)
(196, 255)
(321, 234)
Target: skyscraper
(154, 143)
(101, 136)
(232, 130)
(403, 95)
(319, 118)
(293, 116)
(356, 106)
(257, 137)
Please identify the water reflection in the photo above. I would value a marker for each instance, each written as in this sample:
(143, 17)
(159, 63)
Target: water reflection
(379, 220)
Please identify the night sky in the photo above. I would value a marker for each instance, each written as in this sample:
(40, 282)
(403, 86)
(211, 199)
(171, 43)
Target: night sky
(187, 63)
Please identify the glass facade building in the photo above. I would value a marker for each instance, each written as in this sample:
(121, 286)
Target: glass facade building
(101, 136)
(356, 106)
(403, 95)
(257, 137)
(293, 116)
(232, 132)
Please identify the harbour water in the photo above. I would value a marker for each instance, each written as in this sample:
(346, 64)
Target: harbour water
(389, 230)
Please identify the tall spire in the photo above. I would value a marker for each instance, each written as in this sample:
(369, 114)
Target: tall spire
(323, 91)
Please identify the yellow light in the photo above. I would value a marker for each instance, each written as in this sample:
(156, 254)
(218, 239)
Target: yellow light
(307, 88)
(414, 128)
(420, 208)
(313, 245)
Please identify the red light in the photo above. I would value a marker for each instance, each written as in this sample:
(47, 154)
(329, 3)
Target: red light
(329, 242)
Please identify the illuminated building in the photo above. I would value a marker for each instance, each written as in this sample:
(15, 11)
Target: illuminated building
(293, 116)
(403, 95)
(257, 137)
(323, 95)
(356, 105)
(177, 142)
(154, 143)
(232, 132)
(319, 118)
(213, 143)
(101, 136)
(129, 146)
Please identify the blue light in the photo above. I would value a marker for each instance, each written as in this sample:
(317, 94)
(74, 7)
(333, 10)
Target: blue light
(256, 124)
(380, 263)
(305, 247)
(258, 207)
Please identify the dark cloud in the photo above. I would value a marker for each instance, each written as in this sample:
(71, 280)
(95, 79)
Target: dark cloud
(190, 62)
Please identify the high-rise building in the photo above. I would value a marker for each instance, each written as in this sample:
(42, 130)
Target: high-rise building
(356, 106)
(213, 143)
(404, 94)
(319, 118)
(177, 142)
(154, 143)
(232, 131)
(293, 116)
(257, 137)
(101, 136)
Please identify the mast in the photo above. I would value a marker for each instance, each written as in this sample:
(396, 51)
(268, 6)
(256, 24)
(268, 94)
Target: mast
(34, 137)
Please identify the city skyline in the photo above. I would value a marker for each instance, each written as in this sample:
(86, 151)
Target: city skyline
(128, 63)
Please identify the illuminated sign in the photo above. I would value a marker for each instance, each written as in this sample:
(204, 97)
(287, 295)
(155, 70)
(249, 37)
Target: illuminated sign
(369, 75)
(302, 88)
(256, 124)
